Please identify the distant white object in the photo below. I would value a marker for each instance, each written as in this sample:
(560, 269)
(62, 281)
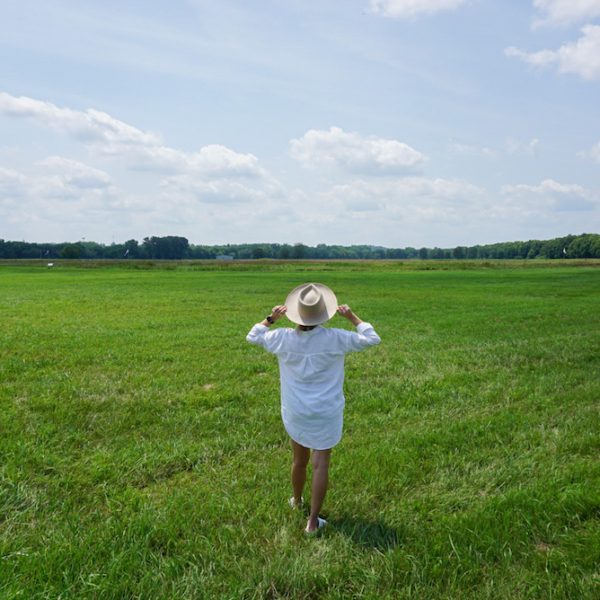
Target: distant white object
(50, 264)
(224, 257)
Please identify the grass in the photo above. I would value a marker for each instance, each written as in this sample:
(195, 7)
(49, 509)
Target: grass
(142, 454)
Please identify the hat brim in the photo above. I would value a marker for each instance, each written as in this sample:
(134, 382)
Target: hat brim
(330, 305)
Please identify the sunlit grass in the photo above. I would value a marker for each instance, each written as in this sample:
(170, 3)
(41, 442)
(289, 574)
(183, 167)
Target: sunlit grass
(142, 453)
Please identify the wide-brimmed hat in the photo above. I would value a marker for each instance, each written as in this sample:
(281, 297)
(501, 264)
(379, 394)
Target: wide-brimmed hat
(311, 304)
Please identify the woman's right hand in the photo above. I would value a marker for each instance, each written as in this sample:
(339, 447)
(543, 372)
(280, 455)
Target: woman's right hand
(345, 311)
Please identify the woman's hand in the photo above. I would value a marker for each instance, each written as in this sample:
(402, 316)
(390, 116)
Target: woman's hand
(345, 311)
(278, 312)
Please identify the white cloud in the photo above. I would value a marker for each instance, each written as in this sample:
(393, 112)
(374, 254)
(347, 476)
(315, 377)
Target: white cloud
(61, 199)
(75, 173)
(11, 184)
(220, 191)
(214, 172)
(353, 152)
(99, 130)
(395, 211)
(56, 192)
(564, 12)
(89, 125)
(114, 138)
(198, 194)
(412, 199)
(547, 197)
(514, 146)
(595, 153)
(581, 57)
(216, 160)
(471, 150)
(408, 9)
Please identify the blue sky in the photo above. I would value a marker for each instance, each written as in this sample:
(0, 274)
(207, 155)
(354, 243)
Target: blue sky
(386, 122)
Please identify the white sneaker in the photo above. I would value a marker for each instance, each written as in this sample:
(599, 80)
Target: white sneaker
(294, 505)
(320, 524)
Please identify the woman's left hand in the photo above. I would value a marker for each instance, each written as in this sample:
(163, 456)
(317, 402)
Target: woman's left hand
(278, 312)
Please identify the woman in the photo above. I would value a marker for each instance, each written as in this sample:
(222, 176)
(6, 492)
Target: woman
(311, 367)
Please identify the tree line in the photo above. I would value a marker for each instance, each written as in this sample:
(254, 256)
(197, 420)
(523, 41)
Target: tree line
(586, 245)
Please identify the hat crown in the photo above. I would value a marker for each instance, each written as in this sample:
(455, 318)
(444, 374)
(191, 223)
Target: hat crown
(310, 302)
(310, 295)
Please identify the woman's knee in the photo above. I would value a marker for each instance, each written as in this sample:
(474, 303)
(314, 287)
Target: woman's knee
(301, 455)
(320, 459)
(300, 461)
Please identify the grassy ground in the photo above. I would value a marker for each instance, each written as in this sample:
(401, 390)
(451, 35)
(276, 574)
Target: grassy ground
(142, 454)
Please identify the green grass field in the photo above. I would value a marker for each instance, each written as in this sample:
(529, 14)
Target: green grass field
(142, 453)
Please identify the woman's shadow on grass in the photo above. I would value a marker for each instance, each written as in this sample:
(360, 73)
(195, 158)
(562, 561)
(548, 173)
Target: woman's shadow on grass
(368, 534)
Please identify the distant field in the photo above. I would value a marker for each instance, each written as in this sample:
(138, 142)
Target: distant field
(317, 264)
(142, 454)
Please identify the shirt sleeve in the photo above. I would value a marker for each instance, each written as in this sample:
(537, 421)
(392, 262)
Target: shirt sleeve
(364, 336)
(260, 335)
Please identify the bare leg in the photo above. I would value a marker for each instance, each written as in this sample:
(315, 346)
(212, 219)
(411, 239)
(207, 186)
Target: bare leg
(320, 478)
(300, 461)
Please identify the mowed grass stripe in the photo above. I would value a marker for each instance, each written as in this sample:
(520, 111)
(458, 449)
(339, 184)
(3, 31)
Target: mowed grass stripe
(143, 454)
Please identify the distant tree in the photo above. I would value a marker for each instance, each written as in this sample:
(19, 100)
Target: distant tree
(341, 252)
(131, 249)
(169, 247)
(202, 252)
(285, 251)
(533, 248)
(322, 251)
(584, 246)
(244, 251)
(71, 251)
(91, 250)
(174, 247)
(19, 250)
(554, 248)
(395, 253)
(114, 251)
(298, 251)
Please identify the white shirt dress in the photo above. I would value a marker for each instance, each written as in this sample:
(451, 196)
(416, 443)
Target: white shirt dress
(311, 369)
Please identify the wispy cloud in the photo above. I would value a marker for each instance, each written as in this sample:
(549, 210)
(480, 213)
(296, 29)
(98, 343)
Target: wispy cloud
(91, 126)
(581, 57)
(595, 152)
(565, 12)
(407, 198)
(211, 169)
(408, 9)
(514, 146)
(11, 185)
(471, 150)
(548, 195)
(73, 173)
(199, 194)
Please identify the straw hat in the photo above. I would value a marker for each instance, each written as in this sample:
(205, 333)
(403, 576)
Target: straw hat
(311, 304)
